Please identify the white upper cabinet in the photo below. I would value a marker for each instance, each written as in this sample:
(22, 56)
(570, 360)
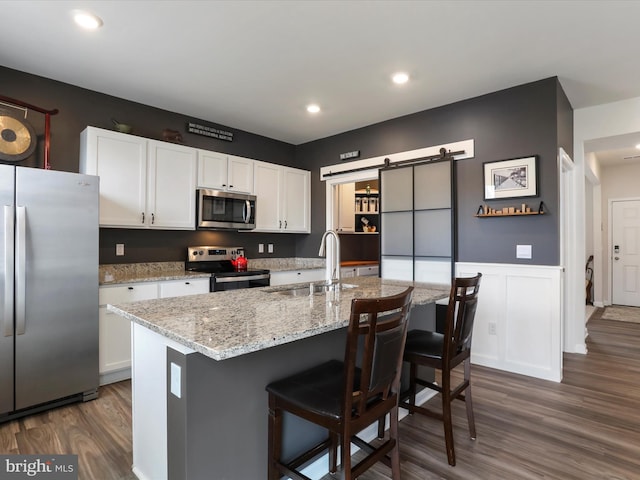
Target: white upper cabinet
(143, 183)
(121, 162)
(346, 193)
(283, 198)
(267, 189)
(296, 200)
(225, 172)
(171, 192)
(151, 184)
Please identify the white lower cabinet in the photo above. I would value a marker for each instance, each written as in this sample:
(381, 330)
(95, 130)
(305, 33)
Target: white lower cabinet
(114, 362)
(367, 271)
(360, 271)
(181, 288)
(348, 272)
(297, 276)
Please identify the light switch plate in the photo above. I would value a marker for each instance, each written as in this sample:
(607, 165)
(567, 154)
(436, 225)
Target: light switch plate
(261, 248)
(119, 249)
(523, 251)
(270, 246)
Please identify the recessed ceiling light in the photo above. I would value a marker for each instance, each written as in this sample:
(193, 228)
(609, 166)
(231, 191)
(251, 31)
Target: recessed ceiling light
(313, 108)
(400, 78)
(87, 20)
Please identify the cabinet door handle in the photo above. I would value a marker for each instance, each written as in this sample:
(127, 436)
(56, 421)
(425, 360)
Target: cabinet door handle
(142, 217)
(285, 224)
(153, 218)
(130, 288)
(230, 186)
(280, 224)
(187, 283)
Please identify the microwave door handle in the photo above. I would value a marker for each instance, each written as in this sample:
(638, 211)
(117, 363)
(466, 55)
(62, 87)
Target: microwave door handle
(246, 211)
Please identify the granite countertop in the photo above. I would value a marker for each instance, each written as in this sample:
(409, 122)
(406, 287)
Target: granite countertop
(286, 264)
(117, 273)
(114, 274)
(223, 325)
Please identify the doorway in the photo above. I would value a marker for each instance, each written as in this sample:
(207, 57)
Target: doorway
(625, 252)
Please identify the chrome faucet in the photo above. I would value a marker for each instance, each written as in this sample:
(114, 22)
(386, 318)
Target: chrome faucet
(335, 274)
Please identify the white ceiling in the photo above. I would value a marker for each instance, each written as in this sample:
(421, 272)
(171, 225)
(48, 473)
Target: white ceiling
(255, 65)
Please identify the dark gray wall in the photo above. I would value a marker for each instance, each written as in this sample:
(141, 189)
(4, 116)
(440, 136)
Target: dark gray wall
(532, 119)
(80, 107)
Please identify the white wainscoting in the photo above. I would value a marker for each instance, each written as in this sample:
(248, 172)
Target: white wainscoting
(525, 304)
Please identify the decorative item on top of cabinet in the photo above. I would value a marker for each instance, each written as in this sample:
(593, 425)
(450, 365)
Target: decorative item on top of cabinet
(524, 209)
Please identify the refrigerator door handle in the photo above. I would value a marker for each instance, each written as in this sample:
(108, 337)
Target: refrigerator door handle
(8, 271)
(20, 272)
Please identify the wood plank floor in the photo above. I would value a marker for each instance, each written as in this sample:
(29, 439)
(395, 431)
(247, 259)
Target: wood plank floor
(587, 427)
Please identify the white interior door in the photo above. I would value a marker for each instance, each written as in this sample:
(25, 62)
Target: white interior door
(625, 252)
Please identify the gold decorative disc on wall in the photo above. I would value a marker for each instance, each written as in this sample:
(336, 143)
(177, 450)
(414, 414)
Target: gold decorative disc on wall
(17, 139)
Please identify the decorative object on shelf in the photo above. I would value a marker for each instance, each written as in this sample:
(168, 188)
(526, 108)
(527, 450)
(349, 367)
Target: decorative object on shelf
(21, 133)
(209, 131)
(510, 178)
(17, 138)
(174, 136)
(366, 227)
(121, 127)
(486, 211)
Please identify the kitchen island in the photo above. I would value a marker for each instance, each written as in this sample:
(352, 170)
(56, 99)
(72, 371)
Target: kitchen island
(201, 363)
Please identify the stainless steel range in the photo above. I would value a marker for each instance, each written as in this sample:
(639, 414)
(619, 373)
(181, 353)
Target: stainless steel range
(219, 261)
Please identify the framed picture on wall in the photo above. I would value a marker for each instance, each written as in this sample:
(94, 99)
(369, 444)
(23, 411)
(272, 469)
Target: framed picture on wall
(511, 178)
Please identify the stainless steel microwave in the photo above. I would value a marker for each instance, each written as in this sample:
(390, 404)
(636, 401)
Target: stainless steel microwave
(225, 210)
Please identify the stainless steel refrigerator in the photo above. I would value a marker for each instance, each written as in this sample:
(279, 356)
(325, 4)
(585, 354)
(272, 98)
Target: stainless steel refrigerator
(48, 289)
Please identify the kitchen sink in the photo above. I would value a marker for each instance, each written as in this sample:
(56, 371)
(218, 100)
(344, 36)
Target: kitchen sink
(313, 288)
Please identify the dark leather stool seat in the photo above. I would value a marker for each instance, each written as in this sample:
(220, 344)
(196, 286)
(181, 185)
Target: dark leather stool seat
(318, 390)
(347, 396)
(424, 344)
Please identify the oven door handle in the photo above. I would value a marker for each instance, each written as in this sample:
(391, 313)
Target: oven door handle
(242, 278)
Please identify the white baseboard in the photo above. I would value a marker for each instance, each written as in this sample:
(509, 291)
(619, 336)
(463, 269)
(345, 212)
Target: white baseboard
(320, 467)
(116, 376)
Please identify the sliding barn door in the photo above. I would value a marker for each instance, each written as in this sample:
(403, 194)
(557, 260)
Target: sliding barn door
(417, 222)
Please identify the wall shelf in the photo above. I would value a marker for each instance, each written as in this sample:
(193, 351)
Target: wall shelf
(509, 211)
(516, 214)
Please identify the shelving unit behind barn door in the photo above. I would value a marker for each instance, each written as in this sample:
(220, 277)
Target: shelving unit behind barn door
(417, 221)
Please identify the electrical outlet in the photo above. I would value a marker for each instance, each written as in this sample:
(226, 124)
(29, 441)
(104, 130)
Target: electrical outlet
(261, 248)
(492, 328)
(119, 249)
(270, 246)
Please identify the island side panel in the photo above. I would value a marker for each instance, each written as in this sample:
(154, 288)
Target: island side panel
(218, 428)
(149, 402)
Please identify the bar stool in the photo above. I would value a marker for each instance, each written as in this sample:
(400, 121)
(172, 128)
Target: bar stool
(347, 396)
(444, 352)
